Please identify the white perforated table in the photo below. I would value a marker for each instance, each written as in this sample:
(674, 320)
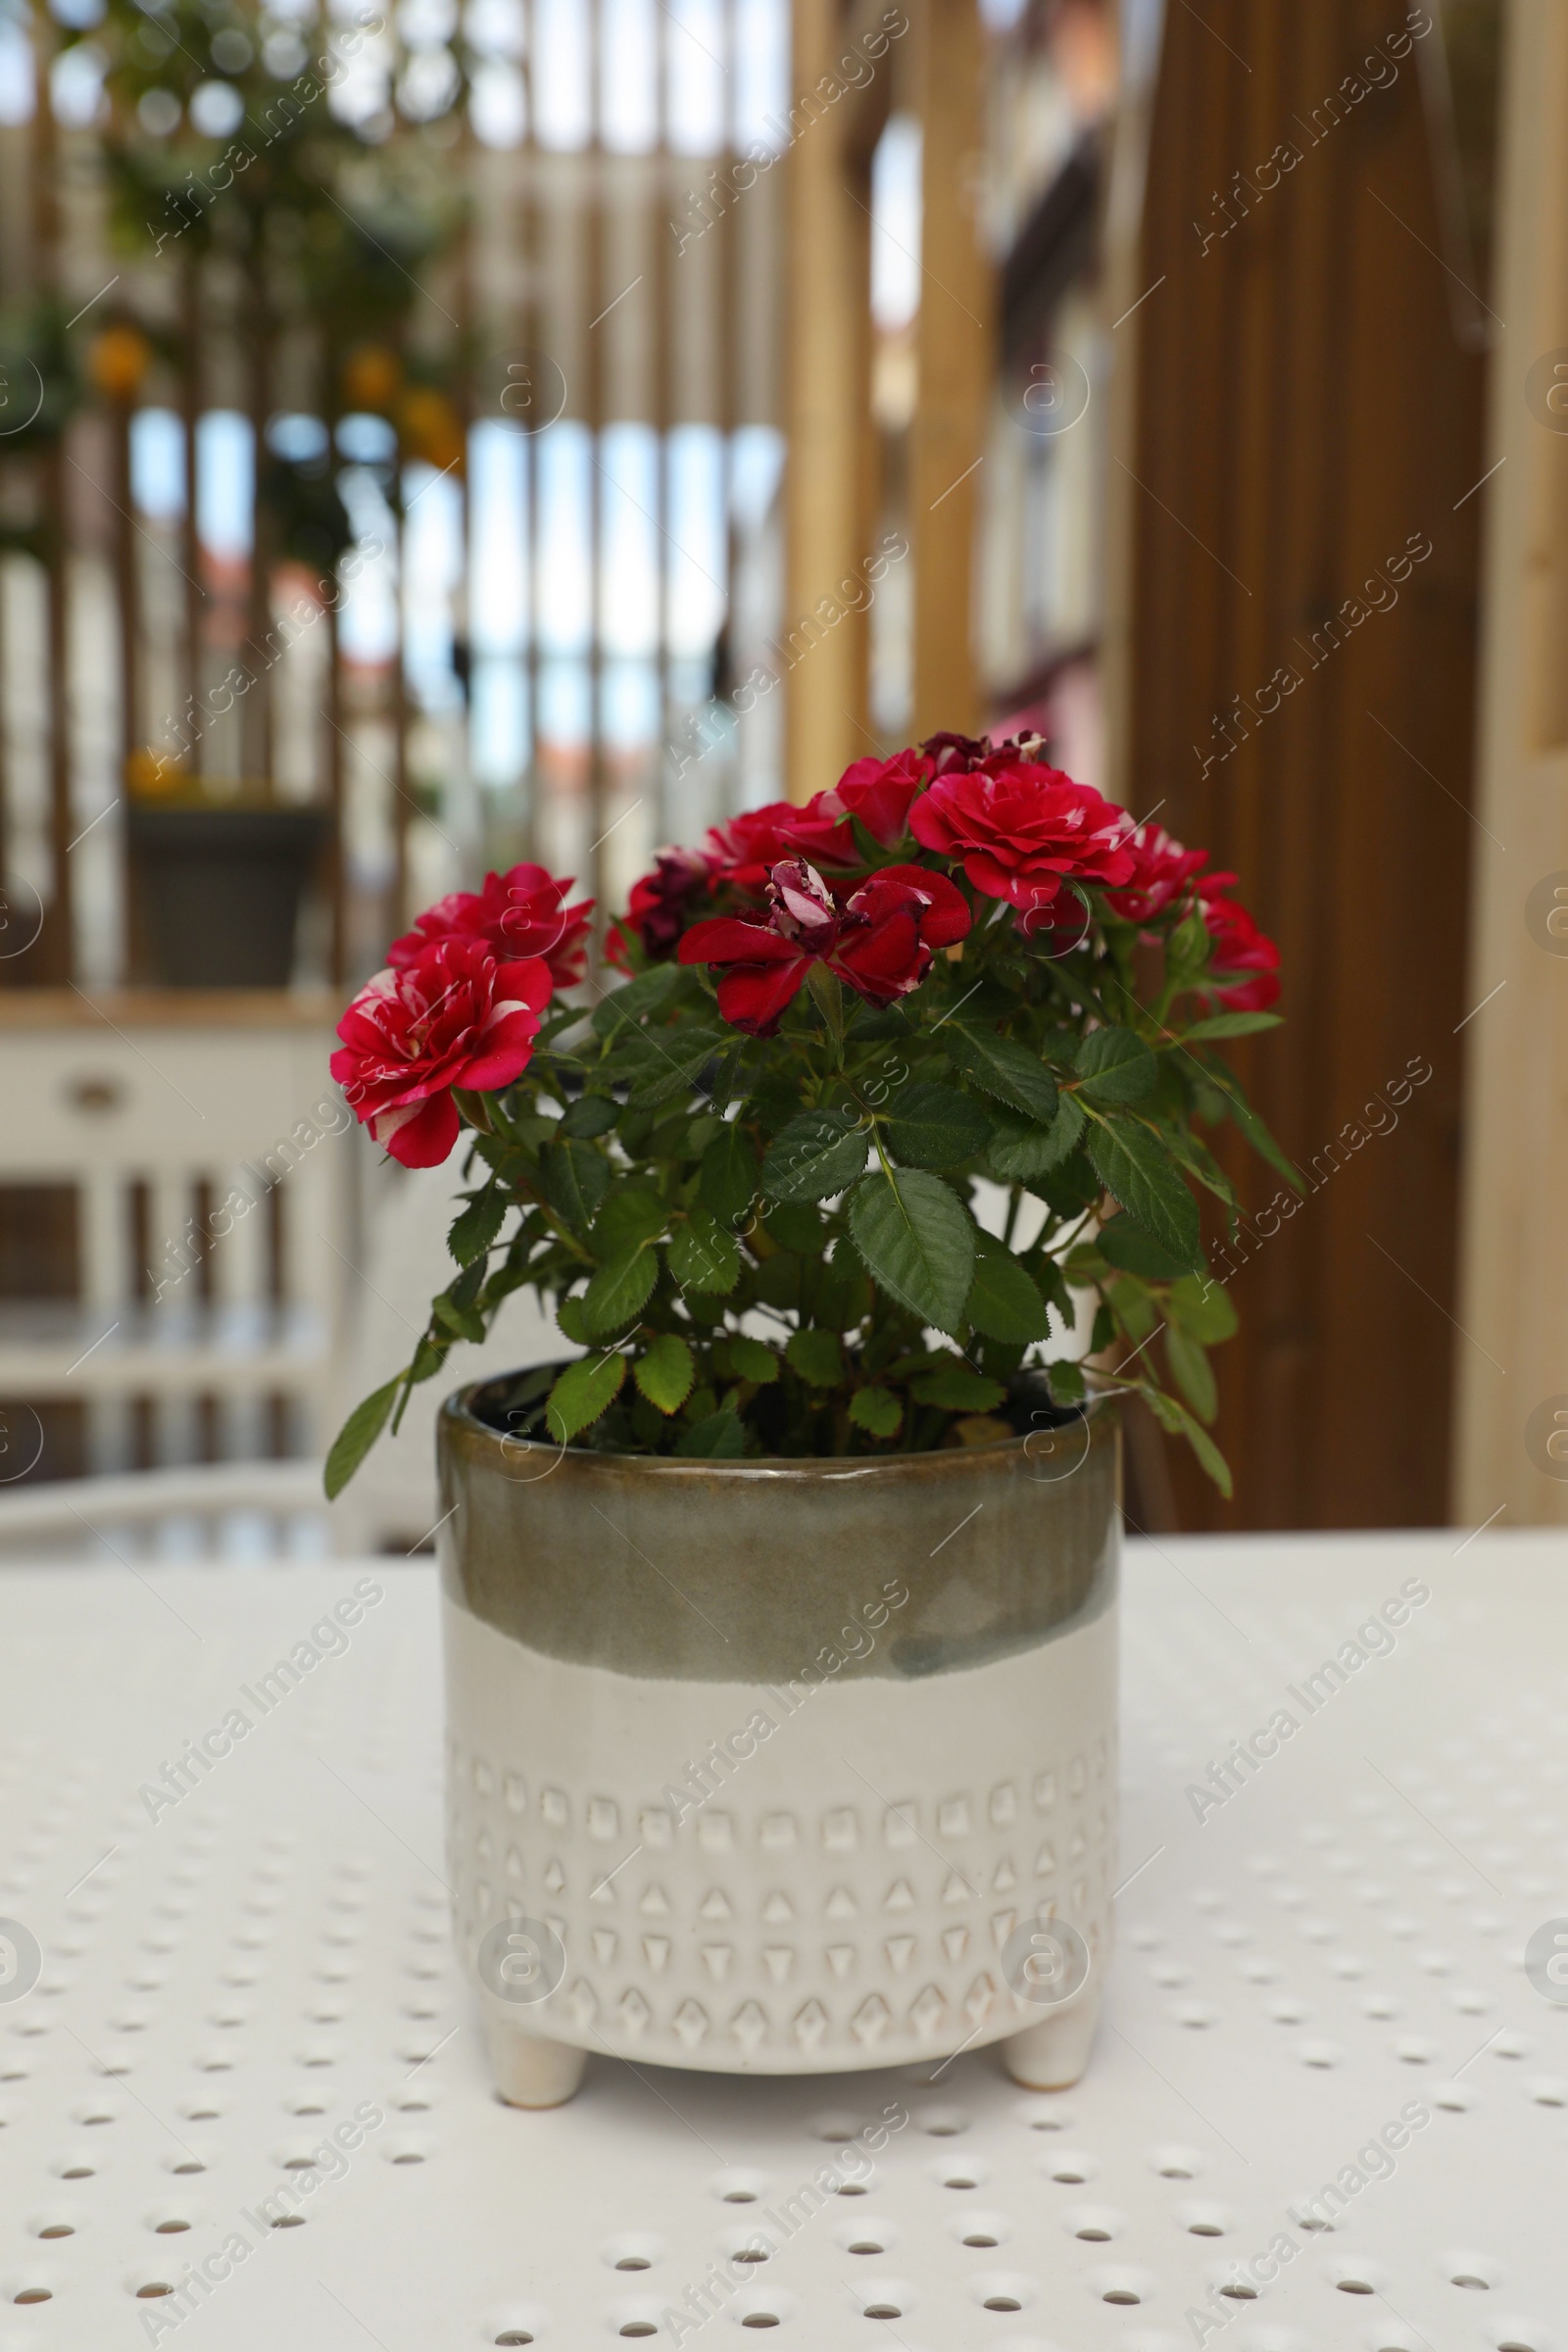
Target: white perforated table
(1339, 1942)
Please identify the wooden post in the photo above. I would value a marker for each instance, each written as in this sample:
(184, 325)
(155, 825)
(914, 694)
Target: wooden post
(955, 336)
(1511, 1357)
(823, 647)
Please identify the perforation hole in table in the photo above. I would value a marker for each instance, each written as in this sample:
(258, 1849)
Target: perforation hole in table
(227, 1987)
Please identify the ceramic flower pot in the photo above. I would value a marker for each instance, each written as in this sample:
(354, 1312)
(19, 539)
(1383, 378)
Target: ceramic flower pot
(780, 1767)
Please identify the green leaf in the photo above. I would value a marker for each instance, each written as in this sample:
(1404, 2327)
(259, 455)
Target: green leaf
(620, 1290)
(582, 1392)
(796, 1225)
(1020, 1155)
(877, 1410)
(719, 1438)
(1001, 1066)
(1192, 1371)
(1203, 1307)
(1234, 1025)
(1125, 1243)
(814, 1355)
(476, 1226)
(631, 1213)
(673, 1062)
(1067, 1382)
(665, 1373)
(356, 1435)
(957, 1390)
(752, 1360)
(815, 1156)
(463, 1322)
(917, 1241)
(591, 1114)
(935, 1127)
(727, 1183)
(571, 1320)
(1004, 1301)
(1116, 1065)
(1134, 1164)
(1181, 1424)
(576, 1180)
(703, 1256)
(1250, 1125)
(625, 1005)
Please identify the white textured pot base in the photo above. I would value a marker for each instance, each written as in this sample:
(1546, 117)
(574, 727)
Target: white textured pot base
(844, 1897)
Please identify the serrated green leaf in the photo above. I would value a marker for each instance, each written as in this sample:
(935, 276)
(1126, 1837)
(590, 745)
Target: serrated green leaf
(629, 1213)
(796, 1225)
(703, 1256)
(1116, 1066)
(1019, 1155)
(673, 1062)
(1234, 1025)
(1004, 1301)
(1125, 1241)
(1192, 1371)
(1204, 1306)
(665, 1371)
(918, 1243)
(935, 1127)
(623, 1006)
(590, 1115)
(816, 1155)
(476, 1227)
(584, 1391)
(1001, 1067)
(576, 1178)
(571, 1321)
(620, 1290)
(1134, 1166)
(876, 1411)
(1179, 1421)
(1067, 1382)
(728, 1181)
(463, 1322)
(1250, 1125)
(957, 1390)
(719, 1437)
(814, 1355)
(752, 1360)
(356, 1435)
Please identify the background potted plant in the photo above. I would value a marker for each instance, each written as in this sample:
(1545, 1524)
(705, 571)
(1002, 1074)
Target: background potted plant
(780, 1620)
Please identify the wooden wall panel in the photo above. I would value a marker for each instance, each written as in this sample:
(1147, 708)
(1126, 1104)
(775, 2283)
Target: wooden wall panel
(1306, 416)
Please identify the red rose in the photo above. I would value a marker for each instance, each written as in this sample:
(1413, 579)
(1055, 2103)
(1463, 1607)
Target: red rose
(880, 941)
(519, 913)
(1238, 947)
(452, 1016)
(879, 791)
(1162, 871)
(1020, 827)
(743, 852)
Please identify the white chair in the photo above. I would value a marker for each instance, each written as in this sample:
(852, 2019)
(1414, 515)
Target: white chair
(187, 1130)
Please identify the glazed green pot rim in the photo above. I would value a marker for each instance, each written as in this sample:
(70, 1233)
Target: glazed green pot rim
(456, 1412)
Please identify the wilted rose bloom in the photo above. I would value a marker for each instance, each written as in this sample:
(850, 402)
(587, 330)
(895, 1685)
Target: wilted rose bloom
(880, 943)
(1021, 828)
(451, 1017)
(661, 904)
(522, 913)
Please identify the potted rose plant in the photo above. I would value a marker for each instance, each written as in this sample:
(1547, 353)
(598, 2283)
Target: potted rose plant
(780, 1617)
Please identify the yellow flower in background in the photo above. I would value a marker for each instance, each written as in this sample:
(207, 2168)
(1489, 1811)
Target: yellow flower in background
(430, 427)
(117, 359)
(373, 377)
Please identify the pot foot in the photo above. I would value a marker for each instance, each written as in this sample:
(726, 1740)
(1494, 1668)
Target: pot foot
(529, 2070)
(1052, 2055)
